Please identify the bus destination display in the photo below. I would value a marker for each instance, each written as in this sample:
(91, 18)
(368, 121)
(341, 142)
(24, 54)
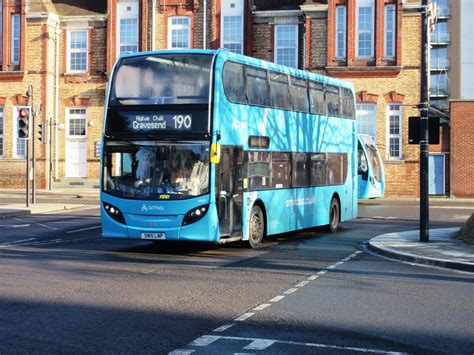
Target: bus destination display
(158, 122)
(148, 123)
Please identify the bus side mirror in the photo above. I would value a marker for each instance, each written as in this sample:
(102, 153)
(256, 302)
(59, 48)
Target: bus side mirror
(215, 153)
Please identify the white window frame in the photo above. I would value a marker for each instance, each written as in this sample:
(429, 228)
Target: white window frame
(2, 126)
(372, 107)
(73, 115)
(395, 112)
(232, 9)
(275, 45)
(172, 27)
(390, 10)
(341, 30)
(77, 50)
(127, 10)
(15, 39)
(371, 4)
(15, 133)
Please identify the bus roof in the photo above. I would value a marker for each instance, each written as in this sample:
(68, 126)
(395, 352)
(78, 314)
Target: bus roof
(227, 55)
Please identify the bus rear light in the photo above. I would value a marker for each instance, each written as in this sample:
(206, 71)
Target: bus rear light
(114, 213)
(195, 215)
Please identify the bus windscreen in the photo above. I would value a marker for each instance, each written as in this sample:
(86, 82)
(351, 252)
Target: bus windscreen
(148, 170)
(165, 79)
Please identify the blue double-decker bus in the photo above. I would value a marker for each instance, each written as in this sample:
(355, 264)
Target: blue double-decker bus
(212, 146)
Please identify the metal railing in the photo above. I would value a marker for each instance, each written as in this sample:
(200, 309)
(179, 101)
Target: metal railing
(443, 11)
(439, 64)
(437, 37)
(439, 90)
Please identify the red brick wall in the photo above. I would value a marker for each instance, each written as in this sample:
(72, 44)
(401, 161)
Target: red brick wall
(462, 148)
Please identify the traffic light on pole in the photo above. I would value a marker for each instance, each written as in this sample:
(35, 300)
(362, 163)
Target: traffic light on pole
(23, 122)
(43, 133)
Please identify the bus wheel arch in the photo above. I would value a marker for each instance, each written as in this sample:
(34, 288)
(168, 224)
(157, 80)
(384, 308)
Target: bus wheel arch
(257, 225)
(334, 213)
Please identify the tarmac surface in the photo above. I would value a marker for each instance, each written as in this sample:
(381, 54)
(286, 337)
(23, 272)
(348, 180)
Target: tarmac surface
(443, 249)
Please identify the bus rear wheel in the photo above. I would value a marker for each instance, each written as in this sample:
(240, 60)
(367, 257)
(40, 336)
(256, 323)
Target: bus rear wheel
(334, 216)
(256, 227)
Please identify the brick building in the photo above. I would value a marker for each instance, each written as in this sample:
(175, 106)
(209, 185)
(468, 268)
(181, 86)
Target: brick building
(65, 49)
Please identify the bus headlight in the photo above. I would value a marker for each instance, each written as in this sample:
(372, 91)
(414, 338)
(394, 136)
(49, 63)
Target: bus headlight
(195, 215)
(114, 213)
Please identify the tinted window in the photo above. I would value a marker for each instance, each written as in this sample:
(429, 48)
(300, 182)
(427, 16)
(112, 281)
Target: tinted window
(332, 99)
(300, 170)
(279, 90)
(259, 142)
(257, 87)
(234, 82)
(281, 170)
(299, 95)
(316, 97)
(319, 174)
(259, 170)
(347, 103)
(337, 166)
(328, 169)
(162, 79)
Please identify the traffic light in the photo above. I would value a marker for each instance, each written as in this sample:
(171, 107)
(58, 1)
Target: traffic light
(43, 132)
(23, 122)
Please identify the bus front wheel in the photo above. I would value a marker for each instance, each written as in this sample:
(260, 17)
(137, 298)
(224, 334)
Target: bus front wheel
(334, 215)
(256, 227)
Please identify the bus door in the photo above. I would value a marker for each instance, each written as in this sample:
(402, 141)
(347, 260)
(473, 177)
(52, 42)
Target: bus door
(230, 188)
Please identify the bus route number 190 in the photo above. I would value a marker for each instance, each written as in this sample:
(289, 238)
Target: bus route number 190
(182, 121)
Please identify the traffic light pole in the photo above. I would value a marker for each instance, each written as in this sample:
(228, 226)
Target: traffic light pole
(27, 173)
(33, 180)
(424, 143)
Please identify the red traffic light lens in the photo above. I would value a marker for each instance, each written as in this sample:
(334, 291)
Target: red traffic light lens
(23, 112)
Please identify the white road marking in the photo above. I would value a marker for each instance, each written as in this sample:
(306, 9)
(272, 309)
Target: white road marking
(261, 307)
(302, 283)
(205, 340)
(331, 267)
(181, 352)
(244, 317)
(277, 298)
(15, 225)
(313, 277)
(46, 226)
(4, 245)
(322, 272)
(83, 229)
(290, 291)
(339, 263)
(259, 344)
(269, 342)
(224, 327)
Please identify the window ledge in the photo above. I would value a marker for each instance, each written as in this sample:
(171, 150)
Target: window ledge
(76, 77)
(394, 162)
(12, 75)
(364, 71)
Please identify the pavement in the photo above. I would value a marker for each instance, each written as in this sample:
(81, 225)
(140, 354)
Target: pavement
(442, 250)
(50, 201)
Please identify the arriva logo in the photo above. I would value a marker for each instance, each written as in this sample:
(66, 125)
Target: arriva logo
(239, 124)
(152, 208)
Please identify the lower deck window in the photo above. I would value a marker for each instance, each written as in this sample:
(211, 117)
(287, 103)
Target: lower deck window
(274, 170)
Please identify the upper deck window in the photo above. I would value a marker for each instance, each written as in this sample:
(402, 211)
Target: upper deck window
(162, 79)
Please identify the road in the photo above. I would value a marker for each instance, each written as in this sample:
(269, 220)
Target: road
(64, 289)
